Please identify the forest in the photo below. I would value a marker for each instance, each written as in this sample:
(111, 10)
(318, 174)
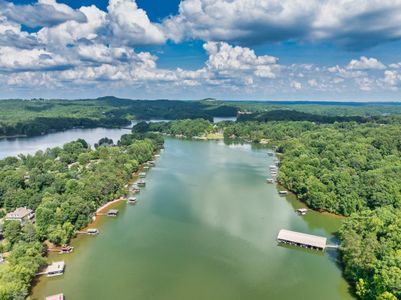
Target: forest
(179, 128)
(64, 186)
(39, 116)
(346, 168)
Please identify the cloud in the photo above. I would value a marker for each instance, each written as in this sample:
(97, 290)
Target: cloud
(296, 85)
(355, 25)
(42, 13)
(11, 35)
(13, 59)
(365, 63)
(131, 24)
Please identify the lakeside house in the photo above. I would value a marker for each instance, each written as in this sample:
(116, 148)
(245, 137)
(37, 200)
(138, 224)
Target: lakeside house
(21, 214)
(55, 297)
(55, 269)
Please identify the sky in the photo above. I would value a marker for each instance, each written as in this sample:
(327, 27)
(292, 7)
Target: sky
(341, 50)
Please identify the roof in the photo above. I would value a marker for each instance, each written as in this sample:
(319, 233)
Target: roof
(302, 238)
(19, 213)
(57, 266)
(55, 297)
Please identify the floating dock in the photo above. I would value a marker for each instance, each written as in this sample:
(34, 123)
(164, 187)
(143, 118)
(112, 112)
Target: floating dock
(302, 239)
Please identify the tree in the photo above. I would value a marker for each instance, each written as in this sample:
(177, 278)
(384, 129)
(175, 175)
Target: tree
(12, 231)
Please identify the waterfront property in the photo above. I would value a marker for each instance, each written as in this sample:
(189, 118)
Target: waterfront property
(112, 213)
(55, 269)
(192, 228)
(301, 239)
(21, 214)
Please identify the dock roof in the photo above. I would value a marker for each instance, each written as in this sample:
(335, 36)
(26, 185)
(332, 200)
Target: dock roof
(302, 238)
(55, 267)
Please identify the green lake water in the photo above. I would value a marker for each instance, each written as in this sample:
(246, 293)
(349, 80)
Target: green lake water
(204, 227)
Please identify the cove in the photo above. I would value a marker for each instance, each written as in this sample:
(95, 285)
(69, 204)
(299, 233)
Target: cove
(205, 227)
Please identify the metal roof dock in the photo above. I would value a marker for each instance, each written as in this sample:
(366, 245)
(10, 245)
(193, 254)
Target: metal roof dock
(301, 239)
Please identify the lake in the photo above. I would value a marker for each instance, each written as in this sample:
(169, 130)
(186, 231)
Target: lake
(204, 227)
(29, 145)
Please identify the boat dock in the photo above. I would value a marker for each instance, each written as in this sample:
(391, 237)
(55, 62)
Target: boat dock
(302, 239)
(302, 211)
(54, 269)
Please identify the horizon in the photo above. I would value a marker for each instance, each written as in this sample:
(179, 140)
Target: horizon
(288, 102)
(192, 49)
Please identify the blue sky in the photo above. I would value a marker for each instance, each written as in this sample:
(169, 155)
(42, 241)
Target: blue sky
(189, 49)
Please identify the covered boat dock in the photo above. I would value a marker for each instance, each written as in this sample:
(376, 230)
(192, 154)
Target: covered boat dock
(302, 239)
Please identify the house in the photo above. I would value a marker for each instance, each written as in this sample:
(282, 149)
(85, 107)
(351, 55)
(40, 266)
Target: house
(21, 214)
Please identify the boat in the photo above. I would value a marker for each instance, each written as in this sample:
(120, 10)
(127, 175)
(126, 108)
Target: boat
(66, 249)
(132, 200)
(270, 180)
(283, 192)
